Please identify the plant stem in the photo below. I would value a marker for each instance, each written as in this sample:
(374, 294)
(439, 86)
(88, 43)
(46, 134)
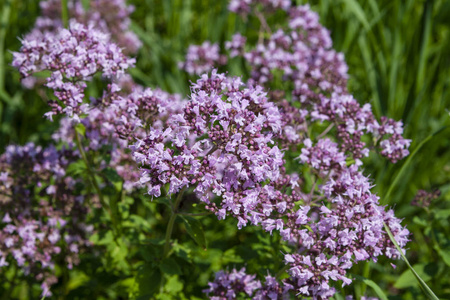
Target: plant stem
(8, 293)
(366, 274)
(65, 13)
(195, 214)
(282, 271)
(3, 28)
(399, 175)
(325, 131)
(90, 172)
(112, 214)
(425, 288)
(173, 216)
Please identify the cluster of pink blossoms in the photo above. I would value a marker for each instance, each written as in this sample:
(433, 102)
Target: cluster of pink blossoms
(201, 58)
(119, 116)
(36, 238)
(244, 7)
(224, 145)
(220, 144)
(234, 284)
(111, 17)
(339, 221)
(42, 216)
(73, 56)
(315, 75)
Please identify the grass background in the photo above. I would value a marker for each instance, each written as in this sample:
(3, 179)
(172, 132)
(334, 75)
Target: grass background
(399, 58)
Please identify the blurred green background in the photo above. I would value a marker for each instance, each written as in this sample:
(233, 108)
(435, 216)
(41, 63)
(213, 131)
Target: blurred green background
(398, 54)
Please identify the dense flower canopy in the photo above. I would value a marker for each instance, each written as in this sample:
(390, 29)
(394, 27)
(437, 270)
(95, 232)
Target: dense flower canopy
(244, 148)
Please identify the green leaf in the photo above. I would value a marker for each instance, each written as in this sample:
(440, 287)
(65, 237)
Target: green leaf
(425, 288)
(150, 252)
(80, 129)
(442, 214)
(86, 4)
(230, 256)
(163, 200)
(182, 252)
(111, 175)
(147, 282)
(169, 266)
(119, 253)
(407, 163)
(407, 278)
(77, 279)
(75, 168)
(109, 190)
(42, 74)
(173, 285)
(373, 285)
(195, 230)
(445, 254)
(420, 221)
(354, 7)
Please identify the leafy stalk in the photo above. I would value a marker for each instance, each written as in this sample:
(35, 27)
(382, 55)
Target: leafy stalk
(373, 285)
(90, 172)
(6, 10)
(425, 288)
(408, 161)
(65, 13)
(172, 219)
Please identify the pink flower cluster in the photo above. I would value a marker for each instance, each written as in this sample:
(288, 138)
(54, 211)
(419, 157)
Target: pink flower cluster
(220, 143)
(202, 58)
(317, 78)
(244, 7)
(112, 17)
(73, 56)
(338, 222)
(234, 284)
(41, 214)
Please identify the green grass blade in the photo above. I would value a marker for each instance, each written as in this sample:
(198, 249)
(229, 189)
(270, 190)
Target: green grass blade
(424, 48)
(354, 7)
(407, 163)
(373, 285)
(425, 288)
(65, 13)
(4, 23)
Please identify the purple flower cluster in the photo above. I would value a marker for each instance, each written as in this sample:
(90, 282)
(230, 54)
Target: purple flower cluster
(223, 145)
(424, 198)
(333, 228)
(333, 236)
(42, 217)
(112, 17)
(54, 227)
(118, 118)
(303, 52)
(220, 144)
(73, 56)
(202, 58)
(244, 7)
(338, 222)
(316, 76)
(230, 285)
(236, 45)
